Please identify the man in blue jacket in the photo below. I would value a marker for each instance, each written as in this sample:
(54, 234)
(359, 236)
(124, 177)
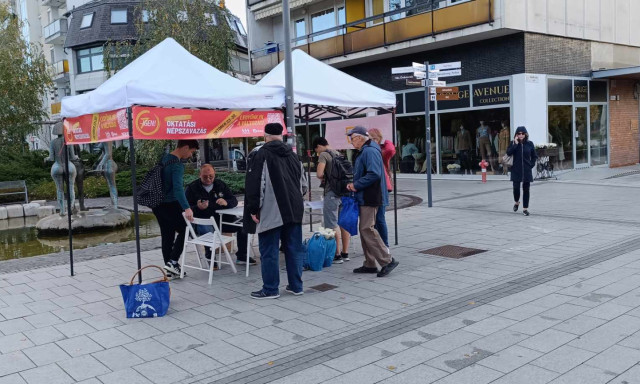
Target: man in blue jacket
(371, 193)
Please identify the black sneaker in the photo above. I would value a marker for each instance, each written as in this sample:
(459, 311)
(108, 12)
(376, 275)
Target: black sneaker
(384, 271)
(515, 207)
(173, 269)
(337, 259)
(525, 212)
(364, 269)
(260, 295)
(243, 260)
(345, 256)
(287, 289)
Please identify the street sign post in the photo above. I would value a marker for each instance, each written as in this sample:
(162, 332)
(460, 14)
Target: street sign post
(445, 66)
(420, 75)
(437, 83)
(427, 122)
(415, 82)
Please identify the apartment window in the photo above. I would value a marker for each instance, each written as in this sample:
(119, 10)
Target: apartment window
(49, 16)
(182, 16)
(145, 15)
(52, 55)
(119, 16)
(87, 20)
(342, 19)
(323, 20)
(90, 59)
(300, 26)
(211, 17)
(240, 28)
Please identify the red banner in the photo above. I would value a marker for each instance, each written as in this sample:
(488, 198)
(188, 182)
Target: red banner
(97, 127)
(174, 124)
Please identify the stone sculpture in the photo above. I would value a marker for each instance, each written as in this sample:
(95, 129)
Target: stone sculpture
(108, 167)
(56, 154)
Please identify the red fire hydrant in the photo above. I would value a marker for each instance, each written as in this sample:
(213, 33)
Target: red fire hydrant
(483, 165)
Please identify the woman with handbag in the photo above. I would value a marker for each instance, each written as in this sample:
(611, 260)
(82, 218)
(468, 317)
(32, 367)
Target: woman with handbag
(524, 158)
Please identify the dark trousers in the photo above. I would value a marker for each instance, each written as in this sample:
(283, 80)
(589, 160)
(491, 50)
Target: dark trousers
(465, 163)
(291, 237)
(241, 254)
(169, 216)
(525, 193)
(381, 225)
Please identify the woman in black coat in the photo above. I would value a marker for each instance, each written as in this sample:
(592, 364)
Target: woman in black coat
(524, 160)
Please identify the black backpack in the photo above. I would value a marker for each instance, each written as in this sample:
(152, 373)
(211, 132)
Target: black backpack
(150, 193)
(340, 174)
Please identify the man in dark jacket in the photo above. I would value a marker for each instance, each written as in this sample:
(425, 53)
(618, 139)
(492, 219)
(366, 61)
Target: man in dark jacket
(274, 190)
(206, 196)
(371, 193)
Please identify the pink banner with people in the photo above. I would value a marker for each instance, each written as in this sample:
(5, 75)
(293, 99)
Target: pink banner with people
(336, 130)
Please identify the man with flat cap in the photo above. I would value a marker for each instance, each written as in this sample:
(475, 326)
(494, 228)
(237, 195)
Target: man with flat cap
(369, 185)
(274, 189)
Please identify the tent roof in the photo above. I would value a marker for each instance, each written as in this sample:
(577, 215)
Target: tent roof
(317, 83)
(169, 76)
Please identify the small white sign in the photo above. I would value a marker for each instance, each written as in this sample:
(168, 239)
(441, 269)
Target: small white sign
(532, 78)
(432, 90)
(395, 71)
(420, 75)
(432, 97)
(438, 83)
(450, 73)
(419, 67)
(433, 75)
(444, 66)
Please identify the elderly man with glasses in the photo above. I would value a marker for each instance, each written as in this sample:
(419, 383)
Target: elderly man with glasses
(208, 194)
(370, 189)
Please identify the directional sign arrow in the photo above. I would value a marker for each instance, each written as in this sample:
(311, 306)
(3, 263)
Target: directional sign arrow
(450, 65)
(402, 70)
(419, 67)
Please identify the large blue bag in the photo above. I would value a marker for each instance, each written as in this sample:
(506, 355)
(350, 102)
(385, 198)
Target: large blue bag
(329, 251)
(316, 248)
(146, 300)
(348, 219)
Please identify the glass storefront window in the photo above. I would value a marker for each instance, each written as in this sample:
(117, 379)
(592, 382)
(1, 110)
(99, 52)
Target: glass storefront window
(561, 133)
(411, 144)
(581, 133)
(560, 90)
(598, 131)
(478, 138)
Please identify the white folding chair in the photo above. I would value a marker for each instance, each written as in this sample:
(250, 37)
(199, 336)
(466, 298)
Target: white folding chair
(214, 239)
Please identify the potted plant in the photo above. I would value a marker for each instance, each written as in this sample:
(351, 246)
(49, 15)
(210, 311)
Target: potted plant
(453, 168)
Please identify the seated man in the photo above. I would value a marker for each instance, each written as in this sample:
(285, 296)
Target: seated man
(205, 196)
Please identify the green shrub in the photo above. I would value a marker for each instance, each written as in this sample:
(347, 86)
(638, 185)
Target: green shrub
(235, 181)
(46, 190)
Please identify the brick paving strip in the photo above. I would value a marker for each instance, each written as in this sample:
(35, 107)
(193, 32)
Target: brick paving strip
(287, 361)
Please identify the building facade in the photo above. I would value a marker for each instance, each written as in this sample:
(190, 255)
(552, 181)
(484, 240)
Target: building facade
(537, 63)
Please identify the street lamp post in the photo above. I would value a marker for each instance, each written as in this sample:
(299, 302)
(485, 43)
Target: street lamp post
(288, 74)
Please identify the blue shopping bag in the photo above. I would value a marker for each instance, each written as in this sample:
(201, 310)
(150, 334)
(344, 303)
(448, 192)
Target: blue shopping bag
(316, 251)
(146, 300)
(348, 219)
(329, 252)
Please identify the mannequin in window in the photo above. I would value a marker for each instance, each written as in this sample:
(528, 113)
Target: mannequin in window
(408, 161)
(503, 143)
(484, 143)
(462, 146)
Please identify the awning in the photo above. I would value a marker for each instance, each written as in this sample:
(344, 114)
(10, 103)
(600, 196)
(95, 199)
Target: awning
(619, 73)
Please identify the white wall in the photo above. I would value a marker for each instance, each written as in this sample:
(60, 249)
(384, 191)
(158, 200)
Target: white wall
(611, 21)
(529, 94)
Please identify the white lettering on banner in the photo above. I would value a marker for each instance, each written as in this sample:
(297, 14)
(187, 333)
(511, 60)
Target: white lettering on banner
(246, 131)
(181, 124)
(186, 131)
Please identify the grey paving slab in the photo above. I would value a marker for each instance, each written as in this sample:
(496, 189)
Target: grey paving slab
(44, 335)
(547, 340)
(251, 343)
(364, 375)
(510, 359)
(13, 362)
(419, 374)
(357, 359)
(110, 338)
(83, 367)
(12, 379)
(14, 342)
(128, 376)
(475, 374)
(117, 358)
(616, 359)
(458, 358)
(313, 375)
(584, 375)
(579, 325)
(46, 354)
(74, 328)
(529, 374)
(149, 349)
(608, 334)
(223, 352)
(563, 359)
(161, 372)
(79, 346)
(48, 374)
(193, 362)
(451, 341)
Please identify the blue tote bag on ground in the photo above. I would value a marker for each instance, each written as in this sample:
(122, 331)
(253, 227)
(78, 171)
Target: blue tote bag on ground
(315, 251)
(330, 251)
(348, 219)
(146, 300)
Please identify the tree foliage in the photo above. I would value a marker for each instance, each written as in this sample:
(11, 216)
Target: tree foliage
(24, 78)
(200, 26)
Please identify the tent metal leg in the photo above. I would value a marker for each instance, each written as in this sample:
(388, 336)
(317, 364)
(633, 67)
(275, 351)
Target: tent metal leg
(136, 218)
(395, 181)
(67, 177)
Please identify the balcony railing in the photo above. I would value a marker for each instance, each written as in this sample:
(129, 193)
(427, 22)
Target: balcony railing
(413, 22)
(55, 29)
(60, 68)
(55, 108)
(54, 3)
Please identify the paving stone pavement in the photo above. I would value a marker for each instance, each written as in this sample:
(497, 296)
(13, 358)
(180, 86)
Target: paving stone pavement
(555, 299)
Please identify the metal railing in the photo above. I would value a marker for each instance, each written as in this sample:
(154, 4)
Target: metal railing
(420, 19)
(60, 67)
(58, 26)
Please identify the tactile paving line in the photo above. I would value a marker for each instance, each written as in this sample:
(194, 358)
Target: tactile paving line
(300, 361)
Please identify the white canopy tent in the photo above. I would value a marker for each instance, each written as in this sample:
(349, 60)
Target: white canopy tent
(316, 83)
(319, 90)
(169, 76)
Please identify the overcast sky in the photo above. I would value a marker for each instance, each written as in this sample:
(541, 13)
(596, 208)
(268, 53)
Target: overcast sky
(238, 8)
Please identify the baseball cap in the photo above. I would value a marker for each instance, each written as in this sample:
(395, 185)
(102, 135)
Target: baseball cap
(359, 130)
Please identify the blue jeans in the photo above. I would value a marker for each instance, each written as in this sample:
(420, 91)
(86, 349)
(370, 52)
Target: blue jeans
(291, 237)
(381, 225)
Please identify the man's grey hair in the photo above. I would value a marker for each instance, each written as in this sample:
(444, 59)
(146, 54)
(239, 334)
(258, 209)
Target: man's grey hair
(268, 138)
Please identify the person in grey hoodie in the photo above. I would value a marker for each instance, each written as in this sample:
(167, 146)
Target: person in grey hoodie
(274, 206)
